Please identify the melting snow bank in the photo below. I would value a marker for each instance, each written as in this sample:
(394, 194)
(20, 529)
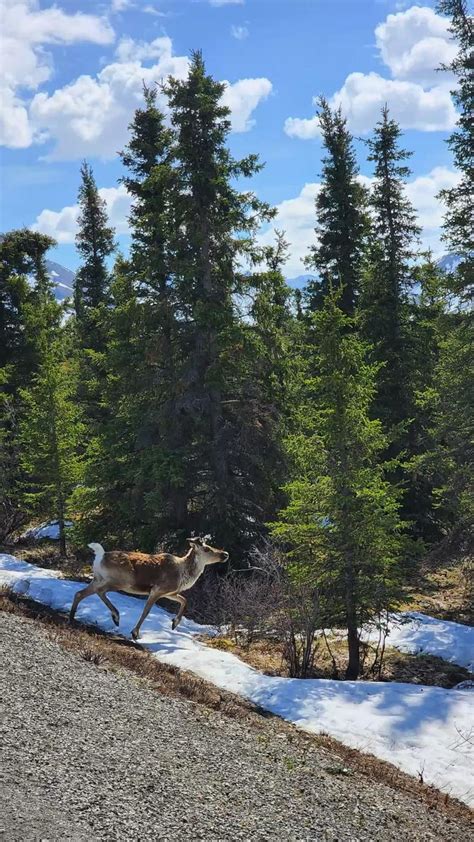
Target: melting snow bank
(50, 530)
(418, 634)
(419, 729)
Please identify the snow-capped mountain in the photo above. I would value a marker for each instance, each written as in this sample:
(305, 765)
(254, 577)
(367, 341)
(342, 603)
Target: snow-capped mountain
(62, 278)
(449, 262)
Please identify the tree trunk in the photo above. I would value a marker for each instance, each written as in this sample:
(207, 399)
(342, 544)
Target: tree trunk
(62, 530)
(353, 666)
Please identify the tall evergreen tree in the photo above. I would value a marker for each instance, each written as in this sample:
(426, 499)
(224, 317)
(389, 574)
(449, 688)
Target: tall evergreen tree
(269, 327)
(453, 394)
(341, 522)
(22, 256)
(95, 243)
(223, 423)
(341, 218)
(389, 277)
(459, 218)
(106, 500)
(149, 158)
(27, 309)
(49, 433)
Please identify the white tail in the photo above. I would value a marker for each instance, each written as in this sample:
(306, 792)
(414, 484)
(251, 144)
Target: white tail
(156, 575)
(99, 554)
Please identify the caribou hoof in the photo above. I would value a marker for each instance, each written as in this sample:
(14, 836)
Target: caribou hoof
(116, 619)
(135, 634)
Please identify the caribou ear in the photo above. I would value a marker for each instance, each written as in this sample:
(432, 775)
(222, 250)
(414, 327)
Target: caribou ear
(194, 541)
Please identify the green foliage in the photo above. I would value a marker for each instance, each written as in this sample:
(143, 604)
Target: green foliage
(450, 458)
(384, 312)
(458, 223)
(341, 217)
(94, 242)
(49, 435)
(225, 427)
(21, 255)
(341, 522)
(28, 312)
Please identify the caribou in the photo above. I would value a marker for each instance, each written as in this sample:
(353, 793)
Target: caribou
(155, 576)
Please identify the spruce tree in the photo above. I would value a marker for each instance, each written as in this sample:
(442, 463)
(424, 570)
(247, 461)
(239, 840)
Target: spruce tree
(49, 433)
(222, 425)
(453, 393)
(106, 500)
(23, 281)
(27, 308)
(428, 321)
(95, 243)
(341, 217)
(149, 159)
(269, 326)
(341, 523)
(389, 278)
(459, 221)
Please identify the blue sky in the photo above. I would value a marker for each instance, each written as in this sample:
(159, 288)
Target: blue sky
(73, 73)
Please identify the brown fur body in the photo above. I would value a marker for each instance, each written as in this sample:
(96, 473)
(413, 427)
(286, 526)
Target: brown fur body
(138, 572)
(154, 575)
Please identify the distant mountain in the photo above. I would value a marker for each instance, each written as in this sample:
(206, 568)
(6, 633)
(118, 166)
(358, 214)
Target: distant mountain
(299, 281)
(62, 278)
(449, 262)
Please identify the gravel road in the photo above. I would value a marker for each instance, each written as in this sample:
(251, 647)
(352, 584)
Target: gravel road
(94, 754)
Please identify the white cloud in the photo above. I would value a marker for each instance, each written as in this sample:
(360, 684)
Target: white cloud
(15, 129)
(422, 192)
(239, 32)
(90, 116)
(412, 45)
(363, 96)
(150, 10)
(120, 5)
(130, 50)
(62, 225)
(242, 98)
(26, 29)
(302, 127)
(297, 216)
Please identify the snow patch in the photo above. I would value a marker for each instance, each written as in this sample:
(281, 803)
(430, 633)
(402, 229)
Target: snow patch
(419, 634)
(419, 729)
(49, 529)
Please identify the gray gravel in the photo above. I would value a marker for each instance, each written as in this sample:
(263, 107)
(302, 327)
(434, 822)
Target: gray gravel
(90, 754)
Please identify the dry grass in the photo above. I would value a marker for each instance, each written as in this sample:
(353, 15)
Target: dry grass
(446, 593)
(76, 564)
(118, 654)
(267, 656)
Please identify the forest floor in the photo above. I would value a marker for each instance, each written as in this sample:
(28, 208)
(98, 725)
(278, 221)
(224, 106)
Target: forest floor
(266, 655)
(102, 742)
